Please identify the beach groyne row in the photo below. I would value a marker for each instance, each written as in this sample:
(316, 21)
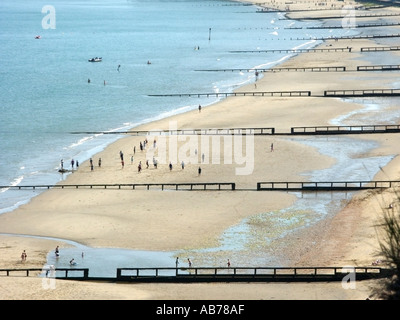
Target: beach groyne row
(325, 185)
(316, 50)
(227, 186)
(208, 131)
(269, 10)
(247, 274)
(315, 130)
(216, 186)
(300, 130)
(362, 93)
(379, 49)
(393, 67)
(229, 94)
(299, 69)
(208, 274)
(309, 69)
(294, 50)
(369, 25)
(375, 36)
(300, 93)
(371, 15)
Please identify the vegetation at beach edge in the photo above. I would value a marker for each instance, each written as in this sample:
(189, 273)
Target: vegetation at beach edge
(389, 242)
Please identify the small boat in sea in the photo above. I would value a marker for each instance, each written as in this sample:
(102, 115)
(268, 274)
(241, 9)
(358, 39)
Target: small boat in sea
(95, 59)
(37, 37)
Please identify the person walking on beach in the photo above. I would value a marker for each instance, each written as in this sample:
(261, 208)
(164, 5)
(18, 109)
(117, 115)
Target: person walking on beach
(57, 251)
(177, 262)
(62, 164)
(155, 163)
(199, 108)
(170, 166)
(199, 171)
(183, 165)
(189, 263)
(72, 164)
(229, 263)
(140, 166)
(99, 162)
(272, 147)
(131, 159)
(23, 256)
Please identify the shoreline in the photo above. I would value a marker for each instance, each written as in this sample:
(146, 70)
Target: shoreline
(330, 224)
(143, 124)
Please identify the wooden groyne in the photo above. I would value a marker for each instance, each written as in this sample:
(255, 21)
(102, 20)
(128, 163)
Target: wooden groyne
(247, 274)
(324, 185)
(380, 49)
(386, 67)
(371, 15)
(369, 25)
(212, 186)
(236, 94)
(300, 69)
(375, 36)
(59, 273)
(206, 131)
(223, 186)
(306, 130)
(295, 50)
(345, 129)
(362, 93)
(207, 274)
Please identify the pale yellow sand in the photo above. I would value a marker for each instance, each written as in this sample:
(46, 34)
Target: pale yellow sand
(170, 220)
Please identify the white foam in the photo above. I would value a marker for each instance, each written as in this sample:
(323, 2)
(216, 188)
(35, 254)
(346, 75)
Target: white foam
(14, 183)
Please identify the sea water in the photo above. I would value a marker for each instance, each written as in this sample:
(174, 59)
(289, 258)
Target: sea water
(45, 94)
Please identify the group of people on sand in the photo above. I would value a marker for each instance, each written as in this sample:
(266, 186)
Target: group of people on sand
(142, 147)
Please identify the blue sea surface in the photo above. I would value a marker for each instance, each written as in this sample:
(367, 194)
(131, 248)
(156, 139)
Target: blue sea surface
(45, 92)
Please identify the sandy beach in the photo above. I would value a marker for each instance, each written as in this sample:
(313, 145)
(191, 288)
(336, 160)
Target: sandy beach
(158, 220)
